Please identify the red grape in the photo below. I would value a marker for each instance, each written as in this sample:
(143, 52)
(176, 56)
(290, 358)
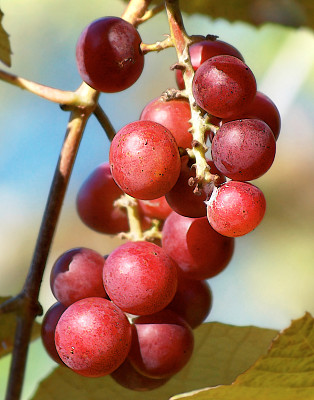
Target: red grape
(162, 344)
(95, 202)
(93, 337)
(77, 274)
(244, 149)
(202, 51)
(174, 115)
(144, 160)
(108, 54)
(48, 328)
(192, 301)
(195, 246)
(265, 109)
(236, 208)
(127, 376)
(181, 197)
(140, 278)
(224, 86)
(156, 208)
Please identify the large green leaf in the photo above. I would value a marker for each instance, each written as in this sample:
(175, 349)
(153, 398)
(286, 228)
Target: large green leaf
(285, 372)
(7, 330)
(221, 353)
(5, 49)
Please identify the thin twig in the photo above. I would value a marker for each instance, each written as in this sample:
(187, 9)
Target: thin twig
(104, 121)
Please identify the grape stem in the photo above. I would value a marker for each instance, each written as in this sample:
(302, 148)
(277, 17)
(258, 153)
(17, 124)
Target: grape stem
(199, 124)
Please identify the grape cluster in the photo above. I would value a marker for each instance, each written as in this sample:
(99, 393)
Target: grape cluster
(131, 313)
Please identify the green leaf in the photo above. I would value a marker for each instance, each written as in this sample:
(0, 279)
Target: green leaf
(294, 13)
(5, 49)
(285, 372)
(221, 353)
(7, 330)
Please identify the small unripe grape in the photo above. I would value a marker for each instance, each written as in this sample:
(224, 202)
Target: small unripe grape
(108, 54)
(93, 337)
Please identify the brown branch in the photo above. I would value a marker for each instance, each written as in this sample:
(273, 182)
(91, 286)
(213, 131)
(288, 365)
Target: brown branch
(104, 122)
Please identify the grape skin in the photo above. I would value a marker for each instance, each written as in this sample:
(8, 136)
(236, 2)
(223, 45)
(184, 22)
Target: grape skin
(236, 208)
(195, 246)
(108, 54)
(93, 337)
(174, 115)
(224, 86)
(162, 344)
(77, 274)
(95, 200)
(144, 160)
(244, 149)
(140, 278)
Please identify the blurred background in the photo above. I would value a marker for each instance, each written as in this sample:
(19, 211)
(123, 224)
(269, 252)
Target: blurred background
(270, 279)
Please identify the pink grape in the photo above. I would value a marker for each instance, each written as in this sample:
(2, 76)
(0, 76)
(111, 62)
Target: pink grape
(48, 328)
(224, 86)
(199, 251)
(156, 208)
(77, 274)
(93, 337)
(108, 54)
(140, 278)
(182, 198)
(162, 344)
(205, 49)
(236, 208)
(95, 202)
(144, 160)
(244, 149)
(174, 115)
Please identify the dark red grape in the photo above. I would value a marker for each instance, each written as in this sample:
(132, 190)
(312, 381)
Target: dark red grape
(236, 208)
(192, 301)
(195, 246)
(95, 202)
(244, 149)
(77, 274)
(127, 376)
(224, 86)
(181, 197)
(144, 160)
(48, 328)
(140, 278)
(265, 109)
(108, 54)
(93, 337)
(202, 51)
(174, 115)
(162, 344)
(156, 208)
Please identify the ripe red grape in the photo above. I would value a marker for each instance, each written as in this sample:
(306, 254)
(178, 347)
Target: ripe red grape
(195, 246)
(108, 54)
(202, 51)
(144, 160)
(140, 278)
(95, 202)
(265, 109)
(236, 208)
(77, 274)
(224, 86)
(174, 115)
(156, 208)
(181, 197)
(244, 149)
(192, 301)
(127, 376)
(162, 344)
(93, 337)
(48, 328)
